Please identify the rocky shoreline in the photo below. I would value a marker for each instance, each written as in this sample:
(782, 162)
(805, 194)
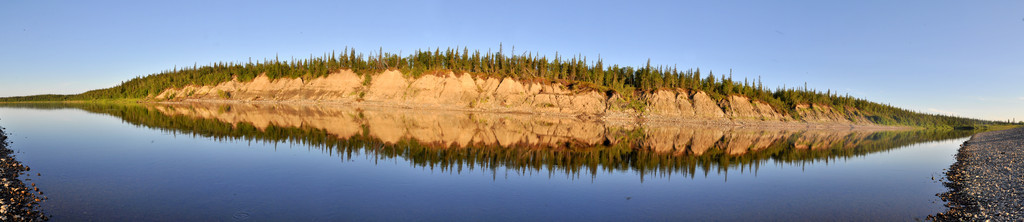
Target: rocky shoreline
(987, 180)
(18, 202)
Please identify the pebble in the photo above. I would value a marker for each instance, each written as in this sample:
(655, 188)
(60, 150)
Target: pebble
(16, 202)
(984, 183)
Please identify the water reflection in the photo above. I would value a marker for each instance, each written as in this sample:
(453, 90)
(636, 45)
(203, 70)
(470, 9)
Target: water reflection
(454, 141)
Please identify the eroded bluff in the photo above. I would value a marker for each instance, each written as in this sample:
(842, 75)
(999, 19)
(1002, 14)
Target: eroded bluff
(464, 92)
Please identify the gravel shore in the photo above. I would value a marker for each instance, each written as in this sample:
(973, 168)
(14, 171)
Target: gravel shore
(987, 180)
(18, 202)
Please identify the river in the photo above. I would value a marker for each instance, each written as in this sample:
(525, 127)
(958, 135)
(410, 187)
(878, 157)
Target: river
(242, 162)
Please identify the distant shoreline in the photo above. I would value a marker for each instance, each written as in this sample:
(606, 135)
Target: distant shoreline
(987, 181)
(510, 83)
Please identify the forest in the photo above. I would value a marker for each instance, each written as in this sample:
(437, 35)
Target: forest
(576, 71)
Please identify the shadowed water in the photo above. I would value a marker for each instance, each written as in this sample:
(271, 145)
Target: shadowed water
(277, 162)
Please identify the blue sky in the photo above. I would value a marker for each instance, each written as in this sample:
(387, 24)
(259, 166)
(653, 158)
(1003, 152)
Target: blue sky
(950, 57)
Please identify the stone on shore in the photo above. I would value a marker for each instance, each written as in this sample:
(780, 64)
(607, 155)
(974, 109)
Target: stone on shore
(987, 181)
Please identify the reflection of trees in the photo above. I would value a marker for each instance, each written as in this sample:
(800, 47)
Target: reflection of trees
(649, 150)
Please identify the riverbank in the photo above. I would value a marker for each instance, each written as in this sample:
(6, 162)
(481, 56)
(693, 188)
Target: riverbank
(987, 181)
(465, 92)
(18, 202)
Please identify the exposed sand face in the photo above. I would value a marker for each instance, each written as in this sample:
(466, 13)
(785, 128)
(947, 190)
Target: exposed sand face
(446, 129)
(463, 92)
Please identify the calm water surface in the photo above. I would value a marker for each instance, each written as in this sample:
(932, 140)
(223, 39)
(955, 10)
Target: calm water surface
(273, 163)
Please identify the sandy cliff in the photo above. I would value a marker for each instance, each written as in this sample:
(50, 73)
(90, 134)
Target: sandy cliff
(464, 92)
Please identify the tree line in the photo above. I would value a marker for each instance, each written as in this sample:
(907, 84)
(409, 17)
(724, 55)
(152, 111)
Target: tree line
(576, 71)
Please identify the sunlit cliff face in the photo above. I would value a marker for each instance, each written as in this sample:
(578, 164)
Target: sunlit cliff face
(463, 92)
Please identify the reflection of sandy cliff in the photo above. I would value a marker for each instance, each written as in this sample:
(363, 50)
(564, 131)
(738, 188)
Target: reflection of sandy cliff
(445, 129)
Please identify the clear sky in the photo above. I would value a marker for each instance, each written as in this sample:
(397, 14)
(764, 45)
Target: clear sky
(952, 57)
